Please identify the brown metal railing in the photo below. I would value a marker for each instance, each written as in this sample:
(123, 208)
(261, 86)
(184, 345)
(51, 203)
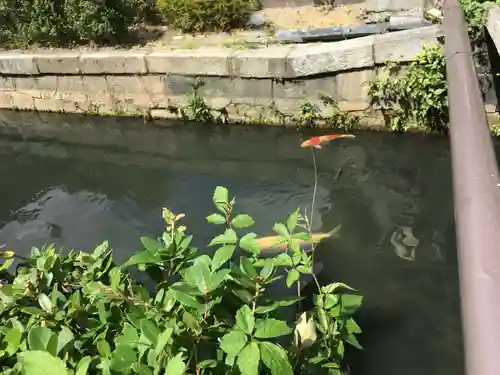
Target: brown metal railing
(476, 190)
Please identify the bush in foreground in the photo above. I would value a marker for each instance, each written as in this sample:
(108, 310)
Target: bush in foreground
(82, 314)
(193, 16)
(65, 22)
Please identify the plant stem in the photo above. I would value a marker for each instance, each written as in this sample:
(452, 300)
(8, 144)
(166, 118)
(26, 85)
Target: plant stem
(313, 248)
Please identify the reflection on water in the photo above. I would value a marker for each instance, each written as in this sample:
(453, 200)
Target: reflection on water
(78, 181)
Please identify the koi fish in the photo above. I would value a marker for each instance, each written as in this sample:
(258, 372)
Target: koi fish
(269, 242)
(317, 141)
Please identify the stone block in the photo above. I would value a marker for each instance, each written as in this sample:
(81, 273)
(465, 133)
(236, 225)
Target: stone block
(7, 84)
(18, 63)
(155, 87)
(261, 63)
(70, 83)
(47, 104)
(95, 85)
(22, 101)
(259, 90)
(24, 83)
(404, 45)
(306, 60)
(58, 63)
(306, 89)
(352, 86)
(113, 62)
(493, 25)
(6, 100)
(198, 62)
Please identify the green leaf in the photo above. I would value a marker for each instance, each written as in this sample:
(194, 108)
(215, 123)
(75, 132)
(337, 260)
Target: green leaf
(13, 340)
(281, 230)
(245, 319)
(228, 238)
(351, 339)
(143, 257)
(175, 366)
(292, 277)
(42, 338)
(83, 366)
(217, 278)
(221, 195)
(291, 222)
(103, 348)
(350, 303)
(151, 244)
(242, 221)
(270, 328)
(247, 268)
(163, 340)
(64, 337)
(248, 359)
(233, 342)
(45, 303)
(222, 255)
(216, 219)
(36, 362)
(185, 299)
(248, 243)
(122, 358)
(275, 359)
(150, 331)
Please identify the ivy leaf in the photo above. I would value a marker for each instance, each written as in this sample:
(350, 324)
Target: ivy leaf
(248, 243)
(275, 358)
(281, 230)
(233, 342)
(270, 328)
(242, 221)
(245, 319)
(216, 219)
(222, 255)
(248, 359)
(291, 222)
(36, 362)
(228, 238)
(292, 277)
(176, 366)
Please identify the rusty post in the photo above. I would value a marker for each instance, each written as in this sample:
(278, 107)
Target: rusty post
(476, 199)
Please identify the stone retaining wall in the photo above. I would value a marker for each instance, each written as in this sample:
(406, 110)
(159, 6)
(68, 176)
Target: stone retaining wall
(256, 85)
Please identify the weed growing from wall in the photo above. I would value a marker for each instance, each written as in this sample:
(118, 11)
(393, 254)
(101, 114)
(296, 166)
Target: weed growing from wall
(416, 99)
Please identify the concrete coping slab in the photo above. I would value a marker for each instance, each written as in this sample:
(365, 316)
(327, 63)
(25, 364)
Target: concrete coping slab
(277, 61)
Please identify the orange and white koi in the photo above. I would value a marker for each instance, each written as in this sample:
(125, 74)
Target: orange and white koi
(316, 142)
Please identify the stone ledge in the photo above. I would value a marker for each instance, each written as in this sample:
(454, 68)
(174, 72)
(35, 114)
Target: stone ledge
(283, 61)
(493, 25)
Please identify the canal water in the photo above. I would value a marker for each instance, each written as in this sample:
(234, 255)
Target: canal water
(77, 181)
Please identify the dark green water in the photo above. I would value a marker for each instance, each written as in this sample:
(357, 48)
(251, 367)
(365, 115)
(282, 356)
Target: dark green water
(77, 181)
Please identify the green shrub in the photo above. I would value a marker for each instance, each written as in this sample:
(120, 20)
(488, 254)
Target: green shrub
(66, 22)
(206, 315)
(416, 98)
(207, 15)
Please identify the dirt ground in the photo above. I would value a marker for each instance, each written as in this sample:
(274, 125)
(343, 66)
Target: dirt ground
(309, 16)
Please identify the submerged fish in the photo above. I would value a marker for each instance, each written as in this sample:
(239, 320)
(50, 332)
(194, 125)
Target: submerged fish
(269, 242)
(317, 141)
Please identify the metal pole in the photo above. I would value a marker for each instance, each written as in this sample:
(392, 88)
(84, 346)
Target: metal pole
(476, 199)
